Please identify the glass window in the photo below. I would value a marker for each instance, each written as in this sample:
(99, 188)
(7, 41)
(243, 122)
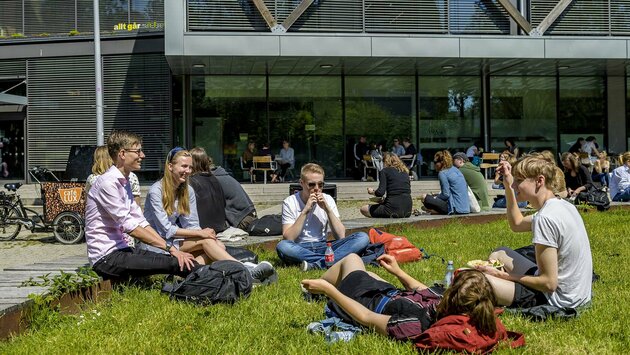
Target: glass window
(380, 108)
(524, 109)
(227, 112)
(450, 116)
(582, 110)
(306, 110)
(627, 114)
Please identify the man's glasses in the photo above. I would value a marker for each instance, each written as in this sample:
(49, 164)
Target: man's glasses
(137, 151)
(311, 185)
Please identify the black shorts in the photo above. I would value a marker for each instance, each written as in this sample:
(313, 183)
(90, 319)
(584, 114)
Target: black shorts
(363, 288)
(525, 297)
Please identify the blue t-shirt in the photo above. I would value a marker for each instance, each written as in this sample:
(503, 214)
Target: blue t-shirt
(454, 190)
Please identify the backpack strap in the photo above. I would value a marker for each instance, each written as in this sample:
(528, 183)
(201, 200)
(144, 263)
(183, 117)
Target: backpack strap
(517, 339)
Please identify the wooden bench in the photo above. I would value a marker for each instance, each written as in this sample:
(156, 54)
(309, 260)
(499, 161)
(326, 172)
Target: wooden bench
(264, 164)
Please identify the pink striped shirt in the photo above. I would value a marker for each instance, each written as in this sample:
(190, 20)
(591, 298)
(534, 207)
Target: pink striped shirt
(110, 213)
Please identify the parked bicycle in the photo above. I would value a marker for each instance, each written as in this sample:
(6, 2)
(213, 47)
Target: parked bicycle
(62, 217)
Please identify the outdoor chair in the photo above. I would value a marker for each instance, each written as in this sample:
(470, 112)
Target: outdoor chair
(264, 164)
(368, 164)
(246, 170)
(410, 163)
(489, 162)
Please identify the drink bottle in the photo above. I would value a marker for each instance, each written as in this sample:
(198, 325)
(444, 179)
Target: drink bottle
(448, 277)
(329, 256)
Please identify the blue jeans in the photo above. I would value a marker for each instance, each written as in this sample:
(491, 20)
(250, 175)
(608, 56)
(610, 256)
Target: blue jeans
(622, 196)
(502, 203)
(294, 253)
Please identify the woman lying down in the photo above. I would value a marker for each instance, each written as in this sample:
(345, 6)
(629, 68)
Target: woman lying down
(363, 298)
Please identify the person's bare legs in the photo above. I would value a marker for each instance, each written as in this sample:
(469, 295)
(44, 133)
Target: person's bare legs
(342, 268)
(210, 247)
(365, 210)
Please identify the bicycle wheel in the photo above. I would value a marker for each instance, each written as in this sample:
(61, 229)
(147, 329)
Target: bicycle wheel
(68, 228)
(9, 227)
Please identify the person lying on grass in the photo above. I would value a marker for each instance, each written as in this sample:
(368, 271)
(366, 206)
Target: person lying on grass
(562, 275)
(363, 298)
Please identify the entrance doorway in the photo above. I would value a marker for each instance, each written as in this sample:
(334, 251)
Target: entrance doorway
(12, 146)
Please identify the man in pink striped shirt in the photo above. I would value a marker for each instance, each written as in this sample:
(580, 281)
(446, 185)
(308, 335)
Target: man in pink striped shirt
(111, 213)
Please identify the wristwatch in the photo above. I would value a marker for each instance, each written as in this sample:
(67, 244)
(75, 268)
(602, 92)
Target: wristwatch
(169, 244)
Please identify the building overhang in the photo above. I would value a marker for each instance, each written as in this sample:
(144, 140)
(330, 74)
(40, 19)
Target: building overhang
(306, 53)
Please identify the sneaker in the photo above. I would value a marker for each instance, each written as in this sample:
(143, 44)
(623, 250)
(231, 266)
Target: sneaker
(263, 273)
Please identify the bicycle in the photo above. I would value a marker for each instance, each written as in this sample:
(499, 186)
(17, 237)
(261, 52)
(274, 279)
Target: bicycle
(67, 226)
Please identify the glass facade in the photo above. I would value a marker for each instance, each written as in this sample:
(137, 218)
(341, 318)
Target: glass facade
(581, 110)
(379, 108)
(524, 109)
(307, 111)
(450, 116)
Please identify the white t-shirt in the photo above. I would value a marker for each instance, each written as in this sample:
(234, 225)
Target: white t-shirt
(316, 225)
(559, 225)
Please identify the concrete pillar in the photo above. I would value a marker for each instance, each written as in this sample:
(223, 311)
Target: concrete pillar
(617, 130)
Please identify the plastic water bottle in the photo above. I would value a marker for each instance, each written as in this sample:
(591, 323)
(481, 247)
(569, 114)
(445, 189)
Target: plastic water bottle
(448, 277)
(344, 335)
(329, 256)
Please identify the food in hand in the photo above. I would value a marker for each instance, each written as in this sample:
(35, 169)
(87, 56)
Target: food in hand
(492, 263)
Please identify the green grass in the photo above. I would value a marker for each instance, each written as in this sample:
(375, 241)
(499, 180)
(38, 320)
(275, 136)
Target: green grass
(274, 318)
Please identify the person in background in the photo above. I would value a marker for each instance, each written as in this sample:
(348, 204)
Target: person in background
(498, 178)
(248, 158)
(620, 181)
(577, 146)
(397, 148)
(410, 149)
(473, 151)
(239, 208)
(171, 209)
(576, 175)
(208, 192)
(266, 151)
(395, 186)
(601, 169)
(307, 217)
(474, 179)
(359, 150)
(511, 147)
(286, 161)
(453, 197)
(559, 185)
(590, 148)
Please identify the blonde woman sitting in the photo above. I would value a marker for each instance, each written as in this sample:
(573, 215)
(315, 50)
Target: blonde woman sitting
(395, 186)
(171, 210)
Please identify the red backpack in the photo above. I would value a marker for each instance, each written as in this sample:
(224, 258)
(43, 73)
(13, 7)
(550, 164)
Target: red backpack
(457, 333)
(398, 247)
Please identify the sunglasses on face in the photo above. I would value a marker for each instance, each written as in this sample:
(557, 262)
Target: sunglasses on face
(311, 185)
(137, 151)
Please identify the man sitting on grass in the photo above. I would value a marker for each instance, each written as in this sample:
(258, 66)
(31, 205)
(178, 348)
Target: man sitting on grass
(111, 213)
(562, 275)
(307, 216)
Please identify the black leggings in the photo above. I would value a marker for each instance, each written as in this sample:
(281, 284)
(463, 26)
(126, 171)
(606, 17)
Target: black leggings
(433, 203)
(134, 262)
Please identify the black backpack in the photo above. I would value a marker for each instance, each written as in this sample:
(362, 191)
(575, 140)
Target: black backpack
(595, 197)
(266, 225)
(224, 281)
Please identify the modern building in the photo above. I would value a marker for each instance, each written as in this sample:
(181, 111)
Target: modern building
(320, 73)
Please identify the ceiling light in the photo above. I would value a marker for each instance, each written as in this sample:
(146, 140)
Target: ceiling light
(200, 65)
(448, 66)
(563, 67)
(325, 66)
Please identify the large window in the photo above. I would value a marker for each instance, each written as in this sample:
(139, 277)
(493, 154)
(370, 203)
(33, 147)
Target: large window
(381, 108)
(524, 109)
(582, 110)
(450, 116)
(306, 110)
(227, 112)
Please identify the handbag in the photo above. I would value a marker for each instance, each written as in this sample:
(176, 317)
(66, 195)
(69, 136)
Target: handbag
(594, 197)
(474, 204)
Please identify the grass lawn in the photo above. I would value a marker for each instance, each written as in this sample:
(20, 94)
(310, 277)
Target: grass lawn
(273, 320)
